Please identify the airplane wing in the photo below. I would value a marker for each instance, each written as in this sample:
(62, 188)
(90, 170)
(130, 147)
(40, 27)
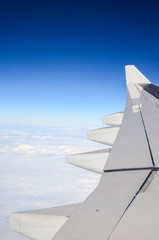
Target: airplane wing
(125, 204)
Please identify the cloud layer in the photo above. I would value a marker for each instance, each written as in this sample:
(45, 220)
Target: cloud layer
(33, 171)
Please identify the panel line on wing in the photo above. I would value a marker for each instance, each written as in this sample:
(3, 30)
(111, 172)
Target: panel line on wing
(153, 163)
(131, 169)
(140, 189)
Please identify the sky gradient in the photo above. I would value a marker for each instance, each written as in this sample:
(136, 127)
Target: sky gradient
(63, 61)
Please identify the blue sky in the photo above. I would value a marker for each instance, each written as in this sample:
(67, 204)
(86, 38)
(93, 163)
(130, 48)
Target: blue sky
(63, 61)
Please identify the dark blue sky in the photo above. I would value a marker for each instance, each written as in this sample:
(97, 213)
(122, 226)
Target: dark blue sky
(65, 59)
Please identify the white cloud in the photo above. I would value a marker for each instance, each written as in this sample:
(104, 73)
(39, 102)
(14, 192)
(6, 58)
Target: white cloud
(34, 173)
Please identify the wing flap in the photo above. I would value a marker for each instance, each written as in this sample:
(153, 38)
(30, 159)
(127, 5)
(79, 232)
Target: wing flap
(113, 119)
(40, 224)
(103, 135)
(92, 161)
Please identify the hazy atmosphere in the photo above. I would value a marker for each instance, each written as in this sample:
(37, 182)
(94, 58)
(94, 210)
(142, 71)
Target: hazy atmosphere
(61, 70)
(34, 173)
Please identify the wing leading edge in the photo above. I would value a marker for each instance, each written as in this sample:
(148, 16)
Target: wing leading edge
(125, 203)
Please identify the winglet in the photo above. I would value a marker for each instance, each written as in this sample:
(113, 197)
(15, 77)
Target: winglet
(133, 75)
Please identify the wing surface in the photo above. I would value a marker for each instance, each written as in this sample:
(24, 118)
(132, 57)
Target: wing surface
(97, 216)
(128, 174)
(141, 220)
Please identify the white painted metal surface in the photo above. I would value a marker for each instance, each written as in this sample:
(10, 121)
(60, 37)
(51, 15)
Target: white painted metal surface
(114, 119)
(150, 112)
(130, 149)
(141, 221)
(103, 135)
(40, 224)
(97, 216)
(131, 143)
(92, 161)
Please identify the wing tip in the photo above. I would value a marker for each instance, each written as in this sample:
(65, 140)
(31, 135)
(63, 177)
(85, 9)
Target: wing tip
(133, 75)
